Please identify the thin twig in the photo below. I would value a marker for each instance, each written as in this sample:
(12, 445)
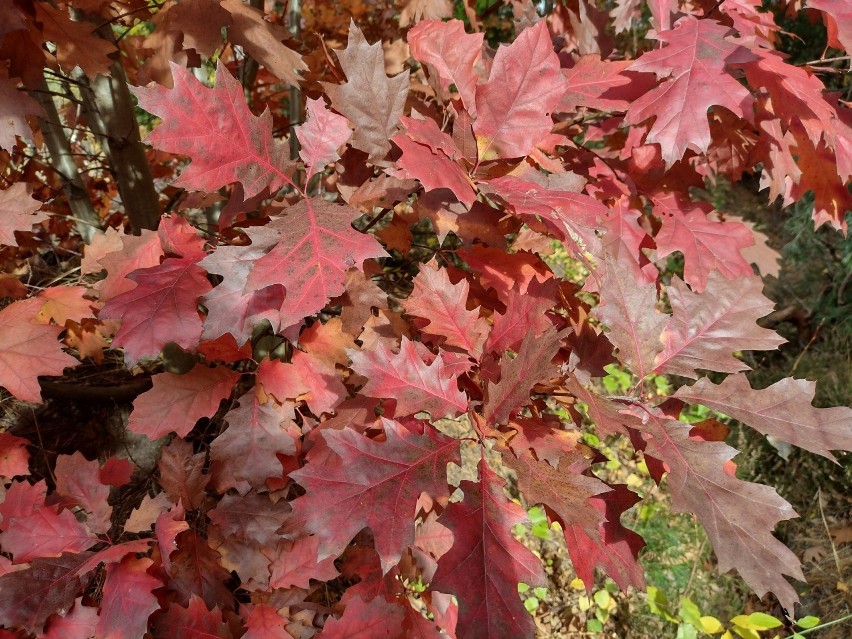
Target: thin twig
(828, 532)
(805, 349)
(824, 60)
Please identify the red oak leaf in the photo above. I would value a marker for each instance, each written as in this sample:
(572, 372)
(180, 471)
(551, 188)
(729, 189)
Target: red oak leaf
(28, 350)
(261, 39)
(429, 156)
(371, 484)
(316, 247)
(694, 63)
(16, 209)
(629, 310)
(168, 526)
(296, 563)
(22, 499)
(525, 313)
(443, 304)
(192, 622)
(545, 436)
(706, 245)
(321, 136)
(365, 620)
(596, 84)
(616, 548)
(564, 489)
(625, 238)
(796, 93)
(452, 53)
(15, 107)
(739, 516)
(514, 106)
(128, 599)
(78, 484)
(28, 597)
(14, 457)
(120, 255)
(517, 376)
(564, 213)
(196, 570)
(250, 517)
(77, 44)
(264, 622)
(63, 303)
(45, 533)
(116, 472)
(179, 238)
(308, 377)
(79, 623)
(832, 199)
(161, 309)
(782, 410)
(370, 99)
(486, 563)
(837, 15)
(215, 128)
(232, 308)
(182, 473)
(416, 386)
(247, 451)
(707, 327)
(176, 402)
(146, 513)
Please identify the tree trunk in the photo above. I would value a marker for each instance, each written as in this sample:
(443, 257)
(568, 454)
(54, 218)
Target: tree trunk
(113, 115)
(63, 163)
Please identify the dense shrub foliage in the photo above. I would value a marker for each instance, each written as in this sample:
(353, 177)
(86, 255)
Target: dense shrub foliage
(340, 298)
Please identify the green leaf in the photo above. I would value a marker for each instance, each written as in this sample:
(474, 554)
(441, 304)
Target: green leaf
(602, 599)
(757, 621)
(690, 613)
(593, 625)
(807, 622)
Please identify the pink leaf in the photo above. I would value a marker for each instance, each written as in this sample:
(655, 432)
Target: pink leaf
(215, 128)
(176, 402)
(514, 106)
(453, 54)
(28, 350)
(321, 136)
(316, 247)
(694, 65)
(128, 599)
(782, 410)
(414, 385)
(17, 208)
(161, 309)
(443, 305)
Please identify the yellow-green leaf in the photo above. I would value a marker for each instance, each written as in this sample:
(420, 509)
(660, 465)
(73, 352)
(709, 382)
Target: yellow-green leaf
(711, 625)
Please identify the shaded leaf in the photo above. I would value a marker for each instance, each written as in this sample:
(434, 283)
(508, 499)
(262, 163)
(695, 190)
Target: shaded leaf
(486, 563)
(707, 327)
(176, 402)
(371, 484)
(783, 410)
